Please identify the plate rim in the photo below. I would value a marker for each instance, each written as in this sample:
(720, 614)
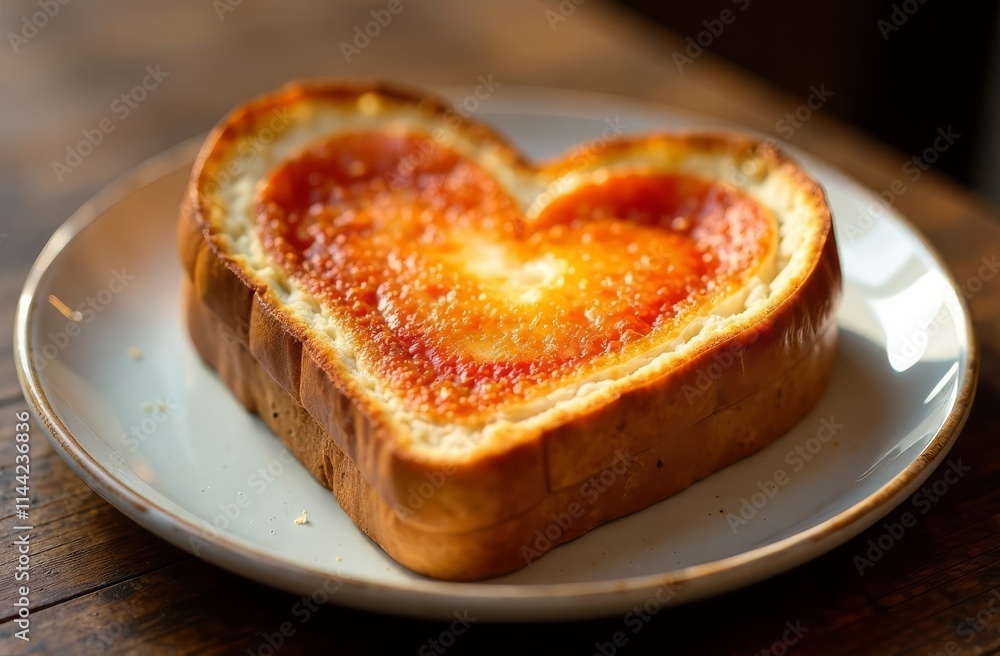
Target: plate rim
(136, 505)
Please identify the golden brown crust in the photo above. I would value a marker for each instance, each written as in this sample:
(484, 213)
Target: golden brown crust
(632, 481)
(503, 485)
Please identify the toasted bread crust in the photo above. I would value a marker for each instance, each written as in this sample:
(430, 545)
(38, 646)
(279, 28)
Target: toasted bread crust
(489, 498)
(628, 484)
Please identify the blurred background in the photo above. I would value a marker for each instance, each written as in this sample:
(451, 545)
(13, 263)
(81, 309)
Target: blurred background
(897, 69)
(866, 86)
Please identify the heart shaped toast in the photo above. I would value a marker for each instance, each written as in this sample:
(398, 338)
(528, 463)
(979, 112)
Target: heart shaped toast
(464, 345)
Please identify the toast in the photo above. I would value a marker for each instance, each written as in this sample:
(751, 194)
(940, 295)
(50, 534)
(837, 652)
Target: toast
(484, 357)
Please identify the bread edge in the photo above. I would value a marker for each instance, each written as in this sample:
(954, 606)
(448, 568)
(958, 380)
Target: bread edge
(633, 481)
(503, 484)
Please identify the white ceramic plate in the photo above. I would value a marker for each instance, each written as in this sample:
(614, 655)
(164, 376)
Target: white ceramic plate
(211, 479)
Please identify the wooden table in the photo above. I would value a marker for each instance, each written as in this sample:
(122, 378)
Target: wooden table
(101, 584)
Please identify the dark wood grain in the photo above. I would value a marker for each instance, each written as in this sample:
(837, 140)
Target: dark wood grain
(79, 542)
(103, 585)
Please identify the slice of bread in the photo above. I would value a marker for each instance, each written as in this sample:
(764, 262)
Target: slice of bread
(484, 357)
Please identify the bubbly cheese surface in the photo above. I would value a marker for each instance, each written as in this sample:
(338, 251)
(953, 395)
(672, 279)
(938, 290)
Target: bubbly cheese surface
(462, 305)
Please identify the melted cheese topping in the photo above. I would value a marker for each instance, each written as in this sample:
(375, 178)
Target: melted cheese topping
(462, 306)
